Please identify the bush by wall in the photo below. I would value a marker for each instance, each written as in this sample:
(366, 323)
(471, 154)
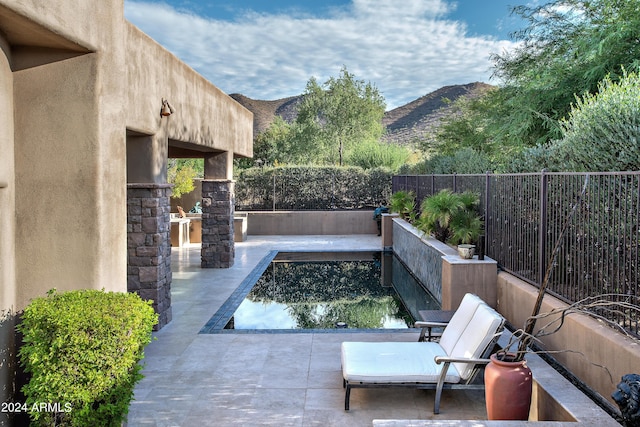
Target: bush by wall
(81, 350)
(312, 188)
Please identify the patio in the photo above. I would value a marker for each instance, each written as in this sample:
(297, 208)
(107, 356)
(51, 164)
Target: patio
(271, 379)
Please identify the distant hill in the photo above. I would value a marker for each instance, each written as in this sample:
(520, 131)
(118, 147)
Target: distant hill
(403, 124)
(424, 114)
(265, 111)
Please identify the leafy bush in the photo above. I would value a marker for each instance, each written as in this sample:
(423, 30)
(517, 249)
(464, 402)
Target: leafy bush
(602, 131)
(535, 159)
(466, 160)
(312, 187)
(81, 349)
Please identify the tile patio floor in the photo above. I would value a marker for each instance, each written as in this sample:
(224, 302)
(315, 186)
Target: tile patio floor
(193, 379)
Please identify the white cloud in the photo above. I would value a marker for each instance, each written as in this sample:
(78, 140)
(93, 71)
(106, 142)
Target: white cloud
(407, 49)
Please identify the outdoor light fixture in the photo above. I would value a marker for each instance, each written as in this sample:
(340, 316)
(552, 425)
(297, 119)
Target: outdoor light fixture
(166, 110)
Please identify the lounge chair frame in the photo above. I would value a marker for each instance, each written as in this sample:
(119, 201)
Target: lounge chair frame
(467, 381)
(439, 386)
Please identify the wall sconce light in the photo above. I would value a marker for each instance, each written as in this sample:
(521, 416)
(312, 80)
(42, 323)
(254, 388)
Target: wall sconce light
(166, 110)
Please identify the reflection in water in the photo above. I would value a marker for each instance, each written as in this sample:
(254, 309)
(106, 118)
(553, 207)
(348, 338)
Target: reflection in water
(320, 293)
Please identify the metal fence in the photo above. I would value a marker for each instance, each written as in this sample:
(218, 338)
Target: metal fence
(524, 216)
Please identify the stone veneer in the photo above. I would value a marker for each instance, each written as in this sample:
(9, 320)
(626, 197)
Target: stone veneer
(441, 270)
(149, 246)
(422, 255)
(218, 204)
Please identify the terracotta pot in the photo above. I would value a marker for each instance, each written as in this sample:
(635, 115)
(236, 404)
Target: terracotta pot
(508, 387)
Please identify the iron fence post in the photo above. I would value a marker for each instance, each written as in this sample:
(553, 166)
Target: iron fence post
(487, 185)
(542, 231)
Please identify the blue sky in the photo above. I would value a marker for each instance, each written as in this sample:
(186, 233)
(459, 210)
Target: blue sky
(268, 49)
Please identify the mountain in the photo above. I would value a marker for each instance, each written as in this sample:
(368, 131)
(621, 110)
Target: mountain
(423, 115)
(412, 120)
(265, 111)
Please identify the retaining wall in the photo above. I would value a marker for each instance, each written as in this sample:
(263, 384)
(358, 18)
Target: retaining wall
(438, 266)
(311, 223)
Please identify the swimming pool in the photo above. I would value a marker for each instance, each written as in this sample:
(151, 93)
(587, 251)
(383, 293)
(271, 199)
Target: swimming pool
(324, 291)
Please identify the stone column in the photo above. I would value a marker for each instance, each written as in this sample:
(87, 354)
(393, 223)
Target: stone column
(149, 246)
(218, 204)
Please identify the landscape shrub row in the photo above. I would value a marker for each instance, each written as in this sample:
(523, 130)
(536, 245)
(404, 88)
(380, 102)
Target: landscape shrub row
(312, 188)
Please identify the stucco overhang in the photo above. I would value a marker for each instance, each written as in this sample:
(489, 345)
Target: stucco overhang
(204, 118)
(26, 37)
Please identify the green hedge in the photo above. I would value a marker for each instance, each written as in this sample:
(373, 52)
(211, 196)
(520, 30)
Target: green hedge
(312, 188)
(81, 349)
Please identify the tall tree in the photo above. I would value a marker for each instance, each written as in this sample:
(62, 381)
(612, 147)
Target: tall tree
(565, 51)
(568, 48)
(338, 114)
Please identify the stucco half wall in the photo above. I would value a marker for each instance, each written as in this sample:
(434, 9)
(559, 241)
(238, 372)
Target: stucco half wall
(586, 347)
(311, 222)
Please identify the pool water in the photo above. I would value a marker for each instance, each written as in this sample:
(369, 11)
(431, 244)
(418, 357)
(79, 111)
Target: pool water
(321, 290)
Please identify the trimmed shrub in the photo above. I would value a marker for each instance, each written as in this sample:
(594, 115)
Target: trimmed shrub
(312, 188)
(81, 349)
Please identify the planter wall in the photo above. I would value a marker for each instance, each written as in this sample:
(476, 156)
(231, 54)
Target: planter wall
(592, 344)
(423, 256)
(438, 266)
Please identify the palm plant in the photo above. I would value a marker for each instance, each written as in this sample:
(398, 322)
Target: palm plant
(465, 227)
(404, 204)
(451, 217)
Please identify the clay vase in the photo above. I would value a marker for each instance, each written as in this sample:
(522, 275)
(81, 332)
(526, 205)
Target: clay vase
(508, 387)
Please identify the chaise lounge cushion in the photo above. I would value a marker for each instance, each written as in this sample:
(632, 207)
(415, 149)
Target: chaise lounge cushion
(394, 362)
(474, 339)
(459, 321)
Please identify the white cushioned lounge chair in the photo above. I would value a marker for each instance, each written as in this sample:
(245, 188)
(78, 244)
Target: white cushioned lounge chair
(451, 363)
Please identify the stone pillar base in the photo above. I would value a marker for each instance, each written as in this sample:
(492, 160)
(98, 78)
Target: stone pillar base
(149, 246)
(218, 204)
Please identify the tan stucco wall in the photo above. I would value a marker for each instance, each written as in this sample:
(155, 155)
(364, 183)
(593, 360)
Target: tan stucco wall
(69, 150)
(311, 222)
(595, 343)
(79, 23)
(203, 114)
(80, 77)
(7, 183)
(460, 276)
(70, 201)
